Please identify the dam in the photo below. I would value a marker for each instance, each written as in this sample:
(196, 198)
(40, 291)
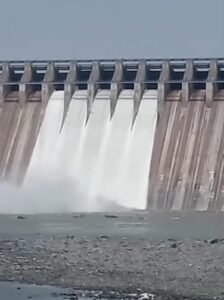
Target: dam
(94, 135)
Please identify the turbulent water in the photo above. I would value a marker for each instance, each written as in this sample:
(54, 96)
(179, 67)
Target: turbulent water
(101, 165)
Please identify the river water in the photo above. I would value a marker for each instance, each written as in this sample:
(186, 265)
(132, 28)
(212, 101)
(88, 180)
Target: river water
(17, 291)
(133, 225)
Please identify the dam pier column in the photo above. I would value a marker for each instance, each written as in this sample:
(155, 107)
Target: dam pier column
(70, 87)
(24, 88)
(139, 88)
(5, 77)
(92, 87)
(211, 85)
(163, 85)
(187, 86)
(48, 82)
(116, 85)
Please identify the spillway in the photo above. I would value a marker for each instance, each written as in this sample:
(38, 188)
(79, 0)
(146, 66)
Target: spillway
(105, 160)
(112, 135)
(122, 170)
(41, 161)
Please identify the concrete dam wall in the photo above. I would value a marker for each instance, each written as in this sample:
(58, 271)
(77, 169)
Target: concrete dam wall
(103, 135)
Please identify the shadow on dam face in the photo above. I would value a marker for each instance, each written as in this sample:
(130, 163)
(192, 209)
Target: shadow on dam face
(99, 166)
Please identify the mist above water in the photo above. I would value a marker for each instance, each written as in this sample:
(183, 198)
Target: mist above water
(101, 166)
(62, 196)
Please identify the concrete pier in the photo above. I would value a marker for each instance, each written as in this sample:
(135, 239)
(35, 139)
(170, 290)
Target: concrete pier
(48, 82)
(139, 87)
(25, 89)
(187, 85)
(70, 87)
(211, 84)
(93, 86)
(5, 77)
(116, 85)
(163, 85)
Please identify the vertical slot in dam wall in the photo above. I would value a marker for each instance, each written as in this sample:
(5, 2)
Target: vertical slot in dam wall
(111, 135)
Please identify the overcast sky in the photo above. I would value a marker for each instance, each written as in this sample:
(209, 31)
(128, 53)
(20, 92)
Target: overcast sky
(57, 29)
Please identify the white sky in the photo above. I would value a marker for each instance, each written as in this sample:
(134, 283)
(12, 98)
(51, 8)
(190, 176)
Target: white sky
(57, 29)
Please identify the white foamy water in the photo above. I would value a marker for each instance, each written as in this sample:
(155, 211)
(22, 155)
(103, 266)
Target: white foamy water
(124, 168)
(39, 192)
(84, 166)
(79, 146)
(101, 165)
(133, 184)
(70, 140)
(108, 178)
(41, 162)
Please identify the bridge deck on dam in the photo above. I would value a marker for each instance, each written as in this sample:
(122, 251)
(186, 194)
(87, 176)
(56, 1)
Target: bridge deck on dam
(92, 134)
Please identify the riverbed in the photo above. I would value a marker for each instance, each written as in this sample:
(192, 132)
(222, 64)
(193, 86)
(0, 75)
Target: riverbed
(169, 255)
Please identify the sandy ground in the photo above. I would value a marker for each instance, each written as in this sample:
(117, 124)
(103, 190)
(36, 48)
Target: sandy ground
(174, 256)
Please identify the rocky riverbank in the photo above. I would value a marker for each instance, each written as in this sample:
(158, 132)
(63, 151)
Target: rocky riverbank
(169, 269)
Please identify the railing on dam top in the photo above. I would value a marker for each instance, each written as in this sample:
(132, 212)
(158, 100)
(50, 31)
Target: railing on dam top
(175, 79)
